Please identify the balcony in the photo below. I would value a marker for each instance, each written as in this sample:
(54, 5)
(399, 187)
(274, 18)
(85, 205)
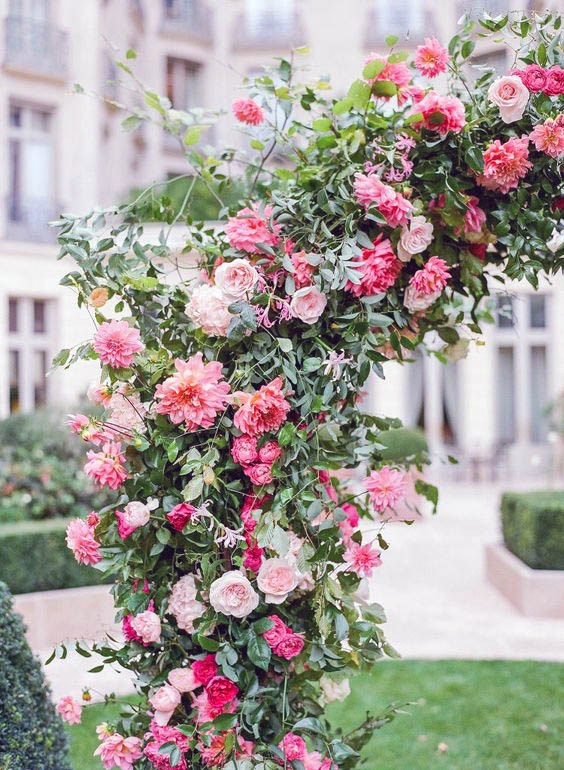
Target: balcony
(191, 19)
(35, 47)
(271, 30)
(26, 220)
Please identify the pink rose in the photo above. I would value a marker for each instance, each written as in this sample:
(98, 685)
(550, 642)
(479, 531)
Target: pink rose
(278, 631)
(270, 452)
(511, 95)
(259, 474)
(534, 77)
(236, 279)
(276, 579)
(134, 515)
(290, 646)
(147, 625)
(244, 450)
(207, 309)
(554, 81)
(220, 691)
(70, 710)
(308, 304)
(293, 746)
(180, 515)
(414, 238)
(232, 594)
(205, 669)
(414, 301)
(183, 679)
(164, 701)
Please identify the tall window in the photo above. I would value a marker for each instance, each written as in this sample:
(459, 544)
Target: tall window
(31, 175)
(183, 83)
(30, 349)
(399, 17)
(264, 18)
(38, 10)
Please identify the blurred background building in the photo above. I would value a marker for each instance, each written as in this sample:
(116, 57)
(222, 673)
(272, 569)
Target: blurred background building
(60, 152)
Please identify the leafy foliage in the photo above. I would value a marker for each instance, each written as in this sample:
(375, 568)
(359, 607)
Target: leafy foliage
(533, 527)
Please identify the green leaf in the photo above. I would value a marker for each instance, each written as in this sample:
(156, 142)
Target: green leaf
(131, 123)
(192, 135)
(467, 48)
(258, 651)
(130, 54)
(359, 94)
(193, 489)
(311, 724)
(262, 626)
(373, 69)
(384, 88)
(257, 145)
(321, 124)
(391, 40)
(285, 344)
(342, 106)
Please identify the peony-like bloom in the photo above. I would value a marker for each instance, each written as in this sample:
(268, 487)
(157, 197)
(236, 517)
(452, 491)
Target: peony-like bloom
(160, 735)
(432, 277)
(183, 604)
(505, 164)
(244, 450)
(236, 280)
(554, 81)
(180, 515)
(134, 515)
(303, 271)
(262, 411)
(259, 474)
(252, 557)
(378, 267)
(147, 626)
(279, 630)
(107, 467)
(120, 752)
(70, 710)
(533, 76)
(396, 72)
(370, 190)
(362, 558)
(270, 452)
(207, 308)
(221, 691)
(415, 237)
(207, 712)
(248, 111)
(251, 228)
(415, 302)
(116, 342)
(213, 753)
(183, 679)
(82, 542)
(205, 669)
(232, 594)
(194, 394)
(165, 700)
(276, 579)
(333, 690)
(308, 304)
(511, 95)
(386, 488)
(475, 217)
(548, 137)
(431, 58)
(293, 746)
(440, 113)
(290, 646)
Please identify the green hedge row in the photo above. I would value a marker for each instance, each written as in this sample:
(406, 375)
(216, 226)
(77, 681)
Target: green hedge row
(533, 527)
(34, 557)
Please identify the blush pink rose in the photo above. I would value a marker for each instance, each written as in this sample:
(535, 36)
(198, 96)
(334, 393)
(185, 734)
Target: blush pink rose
(244, 450)
(232, 594)
(308, 304)
(511, 95)
(165, 700)
(183, 604)
(236, 279)
(70, 710)
(414, 238)
(135, 514)
(416, 301)
(118, 751)
(147, 625)
(259, 474)
(183, 679)
(276, 579)
(208, 309)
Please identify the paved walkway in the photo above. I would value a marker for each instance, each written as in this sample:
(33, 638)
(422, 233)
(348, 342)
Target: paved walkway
(433, 587)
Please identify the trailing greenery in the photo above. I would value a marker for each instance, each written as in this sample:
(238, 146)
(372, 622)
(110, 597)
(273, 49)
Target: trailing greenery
(533, 527)
(34, 557)
(31, 733)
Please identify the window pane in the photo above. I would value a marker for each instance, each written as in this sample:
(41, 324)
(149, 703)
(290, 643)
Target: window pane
(13, 314)
(39, 316)
(40, 120)
(14, 379)
(537, 311)
(15, 115)
(39, 378)
(538, 393)
(505, 312)
(505, 395)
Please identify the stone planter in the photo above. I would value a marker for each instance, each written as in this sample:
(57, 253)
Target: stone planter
(534, 592)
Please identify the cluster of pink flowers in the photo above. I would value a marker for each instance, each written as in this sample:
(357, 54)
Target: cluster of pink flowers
(397, 73)
(371, 191)
(81, 539)
(378, 267)
(157, 736)
(263, 411)
(251, 228)
(107, 468)
(431, 58)
(134, 515)
(295, 749)
(256, 461)
(70, 710)
(117, 751)
(248, 111)
(540, 80)
(505, 164)
(440, 113)
(117, 343)
(282, 640)
(548, 137)
(194, 394)
(432, 278)
(386, 488)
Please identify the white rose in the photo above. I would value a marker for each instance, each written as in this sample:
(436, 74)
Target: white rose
(236, 279)
(414, 301)
(207, 308)
(414, 238)
(333, 690)
(232, 594)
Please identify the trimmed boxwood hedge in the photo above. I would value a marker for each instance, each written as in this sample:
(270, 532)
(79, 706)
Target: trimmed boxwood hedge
(533, 527)
(34, 557)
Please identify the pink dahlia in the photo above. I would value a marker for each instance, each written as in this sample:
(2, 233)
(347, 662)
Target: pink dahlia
(386, 487)
(194, 394)
(370, 190)
(505, 164)
(379, 268)
(248, 111)
(475, 217)
(70, 710)
(262, 411)
(107, 467)
(116, 342)
(250, 228)
(82, 542)
(362, 558)
(120, 752)
(431, 58)
(440, 113)
(432, 277)
(548, 137)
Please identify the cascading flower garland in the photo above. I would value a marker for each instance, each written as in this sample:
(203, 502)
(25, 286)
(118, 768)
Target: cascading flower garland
(252, 488)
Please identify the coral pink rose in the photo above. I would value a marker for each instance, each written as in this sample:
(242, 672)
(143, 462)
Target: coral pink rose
(205, 669)
(183, 679)
(270, 452)
(236, 279)
(232, 594)
(414, 238)
(220, 691)
(165, 700)
(511, 95)
(276, 579)
(244, 450)
(308, 304)
(147, 625)
(259, 474)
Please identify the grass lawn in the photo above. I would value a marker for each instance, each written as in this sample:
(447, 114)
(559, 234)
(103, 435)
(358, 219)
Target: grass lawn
(490, 715)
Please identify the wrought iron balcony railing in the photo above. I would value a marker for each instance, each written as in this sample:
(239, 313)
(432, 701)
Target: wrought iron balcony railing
(27, 219)
(35, 46)
(190, 19)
